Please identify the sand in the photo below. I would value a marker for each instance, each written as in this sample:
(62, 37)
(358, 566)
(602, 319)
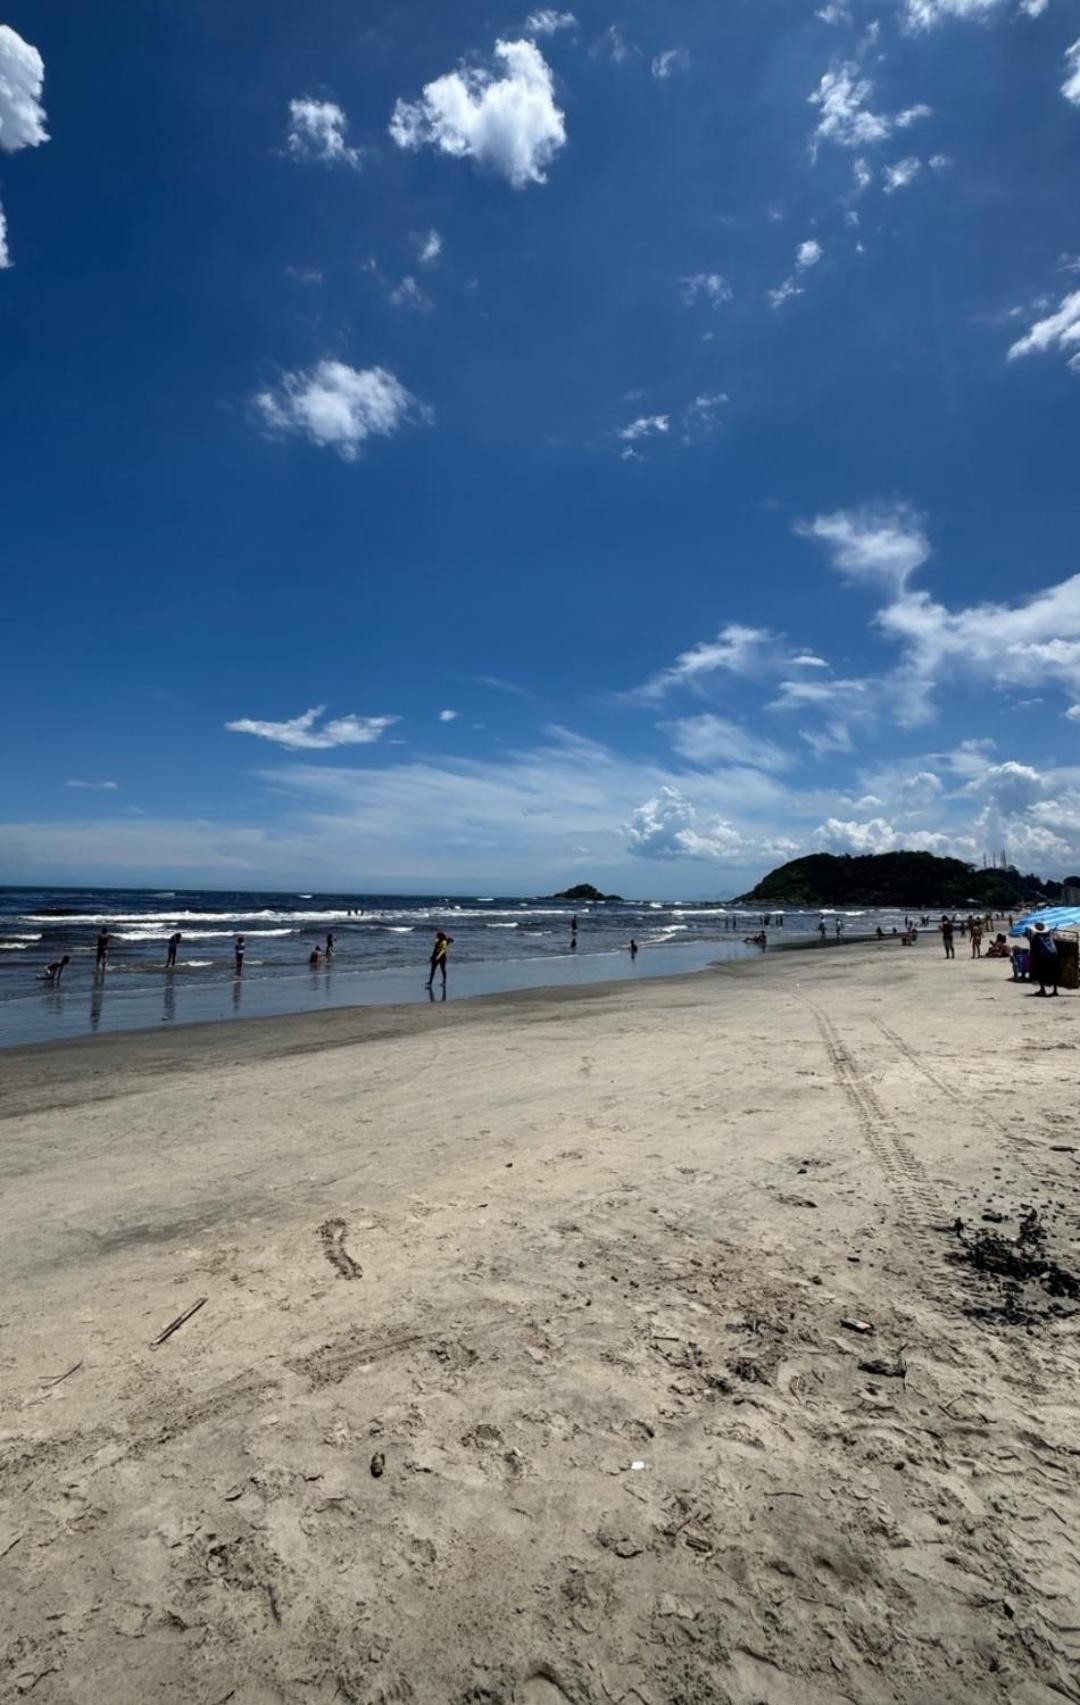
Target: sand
(522, 1375)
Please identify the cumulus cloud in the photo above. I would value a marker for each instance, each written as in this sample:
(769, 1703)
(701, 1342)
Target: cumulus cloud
(316, 134)
(665, 826)
(1071, 86)
(338, 407)
(671, 60)
(711, 288)
(876, 835)
(884, 542)
(904, 172)
(507, 123)
(847, 118)
(646, 426)
(547, 22)
(22, 78)
(1060, 330)
(301, 734)
(449, 715)
(22, 116)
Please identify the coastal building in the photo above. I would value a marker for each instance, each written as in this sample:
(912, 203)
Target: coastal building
(1070, 891)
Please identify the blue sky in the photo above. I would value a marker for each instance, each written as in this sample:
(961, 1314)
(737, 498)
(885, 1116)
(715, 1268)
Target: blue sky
(685, 398)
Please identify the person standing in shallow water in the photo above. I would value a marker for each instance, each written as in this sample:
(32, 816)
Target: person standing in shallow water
(102, 948)
(170, 957)
(443, 943)
(238, 949)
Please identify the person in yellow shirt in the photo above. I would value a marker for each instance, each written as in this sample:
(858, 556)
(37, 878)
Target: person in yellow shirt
(443, 943)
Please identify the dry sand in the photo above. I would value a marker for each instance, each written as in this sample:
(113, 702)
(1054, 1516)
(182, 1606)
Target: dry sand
(573, 1271)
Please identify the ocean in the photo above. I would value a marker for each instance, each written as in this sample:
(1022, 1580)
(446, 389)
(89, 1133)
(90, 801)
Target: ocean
(382, 945)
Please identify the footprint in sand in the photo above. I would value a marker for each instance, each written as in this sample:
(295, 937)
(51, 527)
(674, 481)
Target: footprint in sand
(332, 1237)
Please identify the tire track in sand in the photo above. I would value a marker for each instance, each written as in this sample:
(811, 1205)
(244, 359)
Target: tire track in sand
(917, 1201)
(1012, 1138)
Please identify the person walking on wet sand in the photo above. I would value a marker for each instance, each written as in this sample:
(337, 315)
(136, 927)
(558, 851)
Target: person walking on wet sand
(443, 943)
(947, 936)
(102, 948)
(238, 948)
(170, 957)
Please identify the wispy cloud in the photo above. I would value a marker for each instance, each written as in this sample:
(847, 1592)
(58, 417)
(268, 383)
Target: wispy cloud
(506, 122)
(317, 132)
(807, 255)
(848, 120)
(301, 733)
(712, 288)
(449, 715)
(429, 247)
(882, 542)
(646, 426)
(1071, 86)
(547, 22)
(672, 60)
(1060, 330)
(95, 786)
(736, 650)
(338, 407)
(903, 173)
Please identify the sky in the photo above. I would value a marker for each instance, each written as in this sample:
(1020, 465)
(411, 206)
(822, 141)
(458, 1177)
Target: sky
(472, 449)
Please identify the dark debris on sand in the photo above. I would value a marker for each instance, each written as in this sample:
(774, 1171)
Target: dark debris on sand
(1021, 1268)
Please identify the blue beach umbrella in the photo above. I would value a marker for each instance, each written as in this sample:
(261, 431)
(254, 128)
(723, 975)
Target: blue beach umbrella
(1054, 917)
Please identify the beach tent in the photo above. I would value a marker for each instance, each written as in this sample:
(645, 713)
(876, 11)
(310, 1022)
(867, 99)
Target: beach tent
(1054, 917)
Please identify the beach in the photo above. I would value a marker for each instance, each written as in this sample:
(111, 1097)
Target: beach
(589, 1345)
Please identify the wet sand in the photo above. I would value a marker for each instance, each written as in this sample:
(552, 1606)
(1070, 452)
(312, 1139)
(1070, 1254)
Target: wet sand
(522, 1374)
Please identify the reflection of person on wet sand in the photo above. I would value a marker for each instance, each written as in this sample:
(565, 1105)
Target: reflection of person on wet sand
(443, 943)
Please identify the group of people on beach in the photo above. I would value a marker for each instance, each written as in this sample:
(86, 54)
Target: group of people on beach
(1034, 955)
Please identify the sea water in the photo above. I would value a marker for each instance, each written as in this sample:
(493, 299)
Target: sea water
(382, 944)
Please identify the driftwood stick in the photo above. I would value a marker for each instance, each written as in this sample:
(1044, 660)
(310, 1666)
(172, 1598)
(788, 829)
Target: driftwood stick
(175, 1325)
(60, 1377)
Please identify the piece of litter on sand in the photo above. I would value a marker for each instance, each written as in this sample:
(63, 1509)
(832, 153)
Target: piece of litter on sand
(637, 1465)
(885, 1370)
(175, 1325)
(58, 1379)
(378, 1464)
(857, 1325)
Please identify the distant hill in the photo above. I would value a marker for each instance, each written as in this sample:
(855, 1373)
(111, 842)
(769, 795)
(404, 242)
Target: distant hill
(909, 880)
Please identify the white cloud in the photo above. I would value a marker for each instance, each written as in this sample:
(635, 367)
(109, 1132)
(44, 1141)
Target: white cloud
(408, 294)
(833, 14)
(847, 119)
(710, 287)
(429, 248)
(924, 14)
(22, 116)
(736, 650)
(338, 407)
(807, 255)
(646, 426)
(903, 173)
(317, 134)
(301, 733)
(878, 836)
(665, 826)
(449, 715)
(22, 78)
(671, 60)
(882, 542)
(547, 22)
(717, 740)
(1073, 713)
(1060, 329)
(1071, 86)
(702, 415)
(94, 786)
(508, 124)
